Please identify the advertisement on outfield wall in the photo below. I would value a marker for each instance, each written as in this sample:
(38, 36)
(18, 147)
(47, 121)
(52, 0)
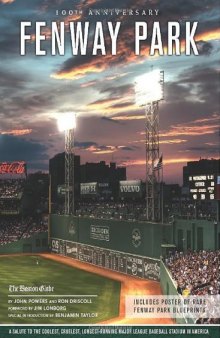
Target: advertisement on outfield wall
(122, 262)
(100, 232)
(130, 189)
(72, 249)
(55, 245)
(87, 189)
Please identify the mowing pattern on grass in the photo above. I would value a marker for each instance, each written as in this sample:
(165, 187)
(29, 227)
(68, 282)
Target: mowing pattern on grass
(37, 271)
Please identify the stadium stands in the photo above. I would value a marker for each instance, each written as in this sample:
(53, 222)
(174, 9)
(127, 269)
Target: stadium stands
(15, 224)
(111, 210)
(11, 192)
(11, 188)
(196, 273)
(14, 229)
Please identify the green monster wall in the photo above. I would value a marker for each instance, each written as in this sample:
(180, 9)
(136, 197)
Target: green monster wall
(139, 238)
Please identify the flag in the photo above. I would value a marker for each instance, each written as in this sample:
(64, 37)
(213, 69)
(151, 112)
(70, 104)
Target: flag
(159, 164)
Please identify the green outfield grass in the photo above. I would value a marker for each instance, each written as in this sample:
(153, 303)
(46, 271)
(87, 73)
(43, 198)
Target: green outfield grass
(37, 271)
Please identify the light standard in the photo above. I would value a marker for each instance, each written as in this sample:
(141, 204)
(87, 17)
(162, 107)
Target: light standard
(67, 123)
(149, 92)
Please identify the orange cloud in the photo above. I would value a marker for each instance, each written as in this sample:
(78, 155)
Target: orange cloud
(110, 106)
(88, 3)
(213, 118)
(212, 144)
(129, 117)
(106, 150)
(100, 63)
(6, 1)
(116, 76)
(16, 132)
(80, 71)
(125, 54)
(194, 128)
(190, 130)
(142, 162)
(208, 36)
(104, 102)
(88, 84)
(174, 141)
(171, 141)
(205, 36)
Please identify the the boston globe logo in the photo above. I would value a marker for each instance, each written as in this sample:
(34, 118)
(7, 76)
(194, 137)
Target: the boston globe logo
(136, 237)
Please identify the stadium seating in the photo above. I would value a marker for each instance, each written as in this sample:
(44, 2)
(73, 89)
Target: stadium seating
(196, 273)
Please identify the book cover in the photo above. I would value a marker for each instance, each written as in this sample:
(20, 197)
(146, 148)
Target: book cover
(109, 168)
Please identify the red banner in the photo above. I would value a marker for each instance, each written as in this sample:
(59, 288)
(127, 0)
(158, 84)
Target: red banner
(12, 168)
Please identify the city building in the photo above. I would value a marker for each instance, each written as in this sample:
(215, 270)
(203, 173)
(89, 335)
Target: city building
(201, 180)
(57, 173)
(102, 172)
(85, 173)
(201, 167)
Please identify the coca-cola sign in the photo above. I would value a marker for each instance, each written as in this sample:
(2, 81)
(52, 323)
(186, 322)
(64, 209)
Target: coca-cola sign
(12, 168)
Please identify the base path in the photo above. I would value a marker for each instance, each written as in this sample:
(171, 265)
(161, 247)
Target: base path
(129, 286)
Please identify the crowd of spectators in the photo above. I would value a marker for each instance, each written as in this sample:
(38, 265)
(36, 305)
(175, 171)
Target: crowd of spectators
(198, 210)
(14, 223)
(11, 192)
(107, 210)
(10, 206)
(197, 274)
(13, 229)
(11, 188)
(111, 210)
(35, 227)
(134, 210)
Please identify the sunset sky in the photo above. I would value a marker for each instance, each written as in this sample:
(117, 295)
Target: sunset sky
(100, 89)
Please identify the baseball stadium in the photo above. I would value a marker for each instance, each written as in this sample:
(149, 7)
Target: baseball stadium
(109, 169)
(84, 245)
(79, 262)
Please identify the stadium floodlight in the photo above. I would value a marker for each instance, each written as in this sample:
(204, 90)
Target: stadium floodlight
(148, 93)
(66, 121)
(149, 87)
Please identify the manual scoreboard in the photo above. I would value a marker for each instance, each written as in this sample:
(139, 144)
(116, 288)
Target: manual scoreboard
(133, 265)
(202, 187)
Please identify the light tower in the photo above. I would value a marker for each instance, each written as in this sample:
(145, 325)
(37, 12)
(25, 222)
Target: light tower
(149, 92)
(67, 123)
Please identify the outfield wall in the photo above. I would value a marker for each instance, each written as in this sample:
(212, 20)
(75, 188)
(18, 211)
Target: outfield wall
(37, 243)
(132, 248)
(125, 246)
(133, 265)
(138, 238)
